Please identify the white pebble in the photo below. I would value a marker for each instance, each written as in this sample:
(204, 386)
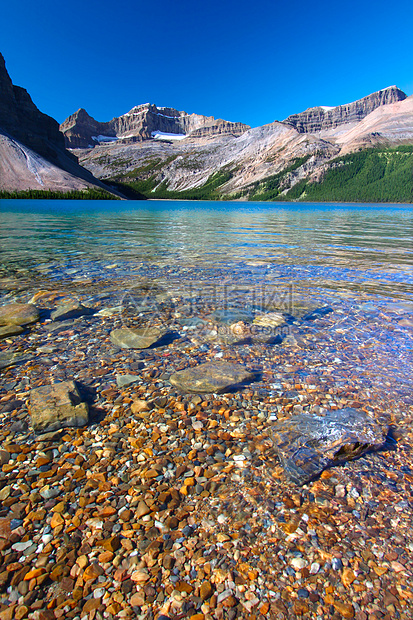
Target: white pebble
(22, 546)
(298, 563)
(99, 592)
(46, 538)
(314, 568)
(221, 518)
(224, 595)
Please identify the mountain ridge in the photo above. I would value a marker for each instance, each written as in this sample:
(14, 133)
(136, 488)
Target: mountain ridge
(322, 118)
(32, 148)
(161, 152)
(143, 122)
(263, 162)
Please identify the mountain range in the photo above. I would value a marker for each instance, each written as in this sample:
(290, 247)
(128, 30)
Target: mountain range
(358, 151)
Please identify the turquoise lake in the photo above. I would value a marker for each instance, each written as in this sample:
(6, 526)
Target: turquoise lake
(356, 260)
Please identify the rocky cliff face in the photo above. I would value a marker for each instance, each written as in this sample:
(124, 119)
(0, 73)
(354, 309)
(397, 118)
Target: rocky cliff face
(143, 122)
(32, 149)
(20, 118)
(323, 118)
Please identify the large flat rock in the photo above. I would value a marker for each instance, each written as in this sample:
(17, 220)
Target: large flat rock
(211, 377)
(307, 444)
(10, 330)
(57, 406)
(11, 358)
(18, 314)
(69, 310)
(139, 338)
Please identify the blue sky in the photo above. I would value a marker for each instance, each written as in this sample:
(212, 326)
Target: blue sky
(253, 62)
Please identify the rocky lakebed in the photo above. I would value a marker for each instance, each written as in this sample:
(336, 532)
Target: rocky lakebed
(165, 456)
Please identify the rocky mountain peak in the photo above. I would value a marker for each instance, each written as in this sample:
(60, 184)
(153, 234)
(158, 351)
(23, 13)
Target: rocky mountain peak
(323, 118)
(20, 118)
(32, 149)
(144, 122)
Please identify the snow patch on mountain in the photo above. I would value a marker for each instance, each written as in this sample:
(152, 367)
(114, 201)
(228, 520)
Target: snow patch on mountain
(161, 135)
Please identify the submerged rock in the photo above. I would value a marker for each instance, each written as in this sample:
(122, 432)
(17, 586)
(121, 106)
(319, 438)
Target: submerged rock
(128, 338)
(228, 316)
(271, 319)
(307, 444)
(10, 330)
(18, 314)
(318, 313)
(125, 380)
(211, 377)
(69, 310)
(57, 406)
(11, 359)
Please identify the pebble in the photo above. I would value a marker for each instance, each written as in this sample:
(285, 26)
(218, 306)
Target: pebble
(125, 380)
(298, 563)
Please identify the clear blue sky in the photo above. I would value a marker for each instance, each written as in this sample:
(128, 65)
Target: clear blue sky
(253, 62)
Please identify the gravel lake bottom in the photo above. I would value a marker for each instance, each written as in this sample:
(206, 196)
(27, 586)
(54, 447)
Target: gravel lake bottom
(201, 347)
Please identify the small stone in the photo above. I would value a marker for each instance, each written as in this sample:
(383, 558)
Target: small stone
(99, 593)
(5, 528)
(22, 546)
(138, 599)
(314, 568)
(298, 563)
(168, 562)
(397, 567)
(140, 576)
(142, 509)
(46, 538)
(5, 492)
(56, 573)
(90, 605)
(4, 457)
(206, 590)
(125, 380)
(21, 612)
(345, 609)
(347, 577)
(34, 573)
(56, 520)
(139, 405)
(8, 613)
(60, 507)
(336, 564)
(224, 595)
(110, 544)
(92, 572)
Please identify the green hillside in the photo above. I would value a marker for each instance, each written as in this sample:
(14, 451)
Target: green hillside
(372, 175)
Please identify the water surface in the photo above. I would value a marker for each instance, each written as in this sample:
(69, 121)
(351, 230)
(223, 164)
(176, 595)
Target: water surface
(355, 259)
